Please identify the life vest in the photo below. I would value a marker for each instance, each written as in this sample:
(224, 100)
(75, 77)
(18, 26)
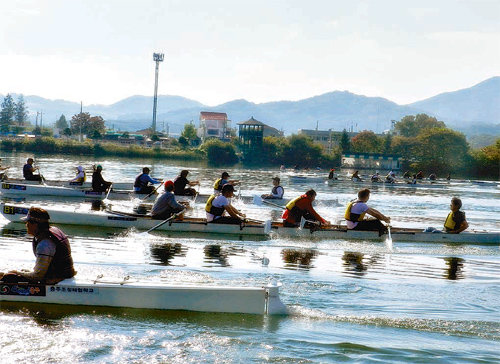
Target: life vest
(218, 185)
(139, 183)
(348, 215)
(61, 265)
(293, 211)
(216, 211)
(451, 224)
(274, 191)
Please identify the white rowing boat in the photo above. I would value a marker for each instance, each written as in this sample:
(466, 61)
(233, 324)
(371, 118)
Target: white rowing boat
(85, 185)
(27, 190)
(251, 300)
(115, 219)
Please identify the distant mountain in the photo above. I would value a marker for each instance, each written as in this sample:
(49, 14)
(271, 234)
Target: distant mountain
(477, 104)
(335, 110)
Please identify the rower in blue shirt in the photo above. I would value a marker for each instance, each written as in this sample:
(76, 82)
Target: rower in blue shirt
(144, 182)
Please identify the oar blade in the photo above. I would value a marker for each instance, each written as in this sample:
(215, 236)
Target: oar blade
(257, 200)
(267, 226)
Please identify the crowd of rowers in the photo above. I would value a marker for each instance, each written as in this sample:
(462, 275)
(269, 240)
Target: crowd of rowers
(52, 250)
(408, 177)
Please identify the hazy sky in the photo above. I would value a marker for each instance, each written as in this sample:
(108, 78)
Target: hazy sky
(260, 50)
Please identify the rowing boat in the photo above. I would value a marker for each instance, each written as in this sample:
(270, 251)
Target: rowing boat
(87, 185)
(124, 293)
(116, 219)
(26, 190)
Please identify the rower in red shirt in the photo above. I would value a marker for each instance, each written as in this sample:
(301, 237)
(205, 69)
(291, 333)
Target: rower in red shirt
(302, 207)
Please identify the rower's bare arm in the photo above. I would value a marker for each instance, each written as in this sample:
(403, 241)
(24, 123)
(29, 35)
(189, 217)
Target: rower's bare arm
(377, 214)
(463, 227)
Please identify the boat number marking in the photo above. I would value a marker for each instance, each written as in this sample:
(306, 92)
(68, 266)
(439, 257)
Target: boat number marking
(122, 218)
(8, 186)
(93, 193)
(12, 210)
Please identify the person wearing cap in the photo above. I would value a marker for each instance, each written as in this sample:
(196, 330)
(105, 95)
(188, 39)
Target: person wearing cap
(28, 170)
(375, 177)
(98, 182)
(165, 205)
(181, 182)
(277, 192)
(218, 205)
(332, 175)
(80, 176)
(301, 207)
(222, 181)
(144, 183)
(52, 251)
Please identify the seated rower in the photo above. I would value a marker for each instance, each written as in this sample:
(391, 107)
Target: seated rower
(80, 176)
(144, 183)
(98, 182)
(222, 181)
(277, 191)
(407, 174)
(375, 177)
(165, 205)
(455, 222)
(28, 170)
(432, 176)
(391, 177)
(420, 175)
(181, 182)
(355, 214)
(332, 174)
(51, 248)
(413, 181)
(218, 205)
(302, 207)
(355, 177)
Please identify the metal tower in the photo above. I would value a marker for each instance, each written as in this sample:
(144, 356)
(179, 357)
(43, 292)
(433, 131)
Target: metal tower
(157, 57)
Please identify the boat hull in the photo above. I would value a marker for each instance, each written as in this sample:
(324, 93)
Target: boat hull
(14, 213)
(249, 300)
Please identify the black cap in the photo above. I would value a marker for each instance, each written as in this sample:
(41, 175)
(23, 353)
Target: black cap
(225, 174)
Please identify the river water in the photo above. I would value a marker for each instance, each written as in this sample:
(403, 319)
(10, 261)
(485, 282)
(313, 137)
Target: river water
(349, 301)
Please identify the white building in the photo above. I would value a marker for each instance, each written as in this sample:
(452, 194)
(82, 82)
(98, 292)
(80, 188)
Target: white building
(213, 125)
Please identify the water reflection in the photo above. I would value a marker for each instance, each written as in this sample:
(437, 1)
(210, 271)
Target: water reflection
(454, 270)
(164, 253)
(353, 263)
(298, 258)
(216, 254)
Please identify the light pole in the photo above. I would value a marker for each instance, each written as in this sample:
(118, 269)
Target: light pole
(157, 57)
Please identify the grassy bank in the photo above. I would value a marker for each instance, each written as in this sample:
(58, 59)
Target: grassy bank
(50, 145)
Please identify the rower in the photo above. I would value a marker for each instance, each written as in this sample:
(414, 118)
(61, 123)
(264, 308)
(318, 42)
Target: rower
(375, 177)
(432, 176)
(355, 177)
(420, 175)
(98, 182)
(51, 248)
(448, 177)
(413, 181)
(332, 174)
(181, 182)
(165, 205)
(391, 177)
(80, 177)
(3, 175)
(28, 170)
(301, 207)
(455, 222)
(277, 191)
(144, 182)
(218, 205)
(355, 214)
(219, 183)
(407, 174)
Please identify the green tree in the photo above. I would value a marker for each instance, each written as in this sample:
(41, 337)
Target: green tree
(219, 152)
(486, 161)
(387, 144)
(7, 113)
(21, 111)
(441, 150)
(189, 133)
(367, 142)
(411, 126)
(83, 123)
(301, 150)
(67, 132)
(345, 142)
(62, 123)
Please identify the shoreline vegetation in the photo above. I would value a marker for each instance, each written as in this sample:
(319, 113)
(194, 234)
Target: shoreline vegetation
(288, 151)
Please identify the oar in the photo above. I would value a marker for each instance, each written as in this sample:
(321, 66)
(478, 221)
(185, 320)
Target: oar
(267, 224)
(165, 221)
(388, 241)
(152, 192)
(303, 222)
(105, 200)
(196, 194)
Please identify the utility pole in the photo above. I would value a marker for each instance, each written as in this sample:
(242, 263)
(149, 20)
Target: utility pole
(41, 117)
(157, 57)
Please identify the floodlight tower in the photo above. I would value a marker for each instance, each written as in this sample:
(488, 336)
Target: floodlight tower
(157, 57)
